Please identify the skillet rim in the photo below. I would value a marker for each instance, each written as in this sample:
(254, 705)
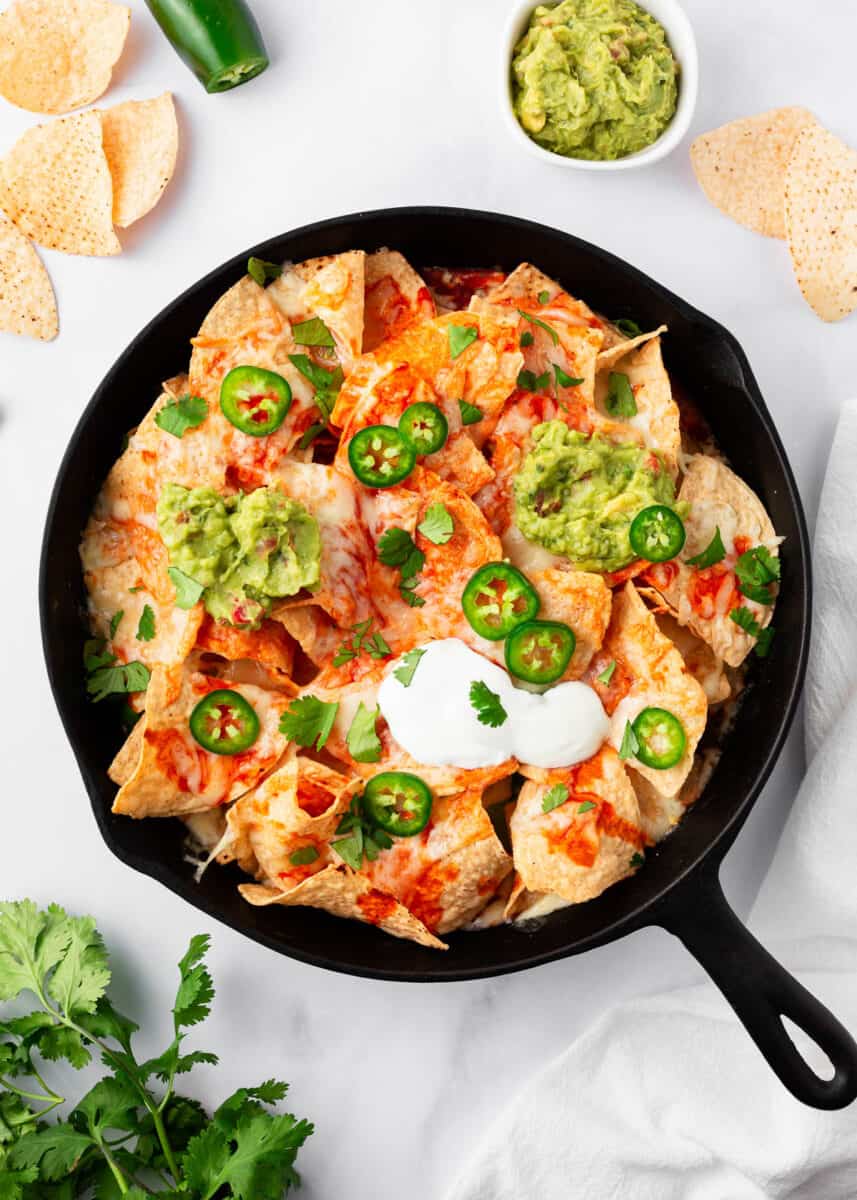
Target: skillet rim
(638, 916)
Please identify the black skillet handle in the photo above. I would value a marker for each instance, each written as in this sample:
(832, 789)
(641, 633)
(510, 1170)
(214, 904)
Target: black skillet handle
(762, 992)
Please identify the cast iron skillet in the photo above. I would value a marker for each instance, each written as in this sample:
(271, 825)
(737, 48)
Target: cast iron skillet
(678, 888)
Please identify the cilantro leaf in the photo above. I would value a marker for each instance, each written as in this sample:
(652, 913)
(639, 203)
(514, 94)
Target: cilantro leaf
(637, 859)
(188, 591)
(620, 400)
(564, 380)
(607, 674)
(757, 571)
(437, 525)
(374, 644)
(586, 806)
(326, 383)
(117, 679)
(630, 744)
(470, 414)
(363, 742)
(460, 337)
(526, 339)
(746, 621)
(303, 856)
(628, 327)
(146, 626)
(56, 1151)
(114, 622)
(394, 546)
(543, 297)
(530, 382)
(178, 416)
(308, 721)
(309, 435)
(554, 797)
(554, 336)
(82, 974)
(488, 706)
(313, 332)
(263, 272)
(408, 665)
(713, 553)
(350, 849)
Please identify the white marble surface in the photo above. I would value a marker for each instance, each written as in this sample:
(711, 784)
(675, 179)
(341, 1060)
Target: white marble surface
(372, 103)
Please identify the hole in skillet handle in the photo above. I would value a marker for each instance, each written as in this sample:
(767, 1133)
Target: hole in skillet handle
(761, 992)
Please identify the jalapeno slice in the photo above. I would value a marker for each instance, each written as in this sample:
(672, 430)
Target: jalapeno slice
(380, 456)
(539, 651)
(656, 533)
(254, 400)
(660, 737)
(224, 722)
(497, 599)
(398, 802)
(424, 426)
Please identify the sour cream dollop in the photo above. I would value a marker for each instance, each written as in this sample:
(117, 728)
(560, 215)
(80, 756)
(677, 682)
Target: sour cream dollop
(434, 721)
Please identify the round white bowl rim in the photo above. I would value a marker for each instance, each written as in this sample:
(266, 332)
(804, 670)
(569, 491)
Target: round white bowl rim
(670, 14)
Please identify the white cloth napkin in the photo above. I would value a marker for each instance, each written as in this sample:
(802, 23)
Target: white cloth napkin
(661, 1100)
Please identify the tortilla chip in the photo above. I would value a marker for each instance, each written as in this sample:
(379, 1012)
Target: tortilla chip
(610, 355)
(571, 853)
(741, 166)
(653, 675)
(27, 303)
(55, 185)
(269, 645)
(659, 814)
(56, 55)
(128, 756)
(298, 806)
(821, 221)
(396, 296)
(332, 289)
(580, 599)
(312, 629)
(174, 775)
(343, 893)
(703, 599)
(141, 141)
(656, 423)
(706, 668)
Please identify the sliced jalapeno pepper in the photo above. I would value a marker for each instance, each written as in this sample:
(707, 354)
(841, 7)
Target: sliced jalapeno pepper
(656, 533)
(254, 400)
(497, 599)
(660, 738)
(398, 803)
(380, 456)
(539, 651)
(218, 39)
(224, 722)
(424, 426)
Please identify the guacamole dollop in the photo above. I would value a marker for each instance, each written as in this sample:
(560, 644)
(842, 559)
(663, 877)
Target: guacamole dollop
(246, 550)
(594, 78)
(577, 495)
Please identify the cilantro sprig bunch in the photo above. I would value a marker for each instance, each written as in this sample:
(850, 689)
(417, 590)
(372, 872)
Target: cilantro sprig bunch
(132, 1134)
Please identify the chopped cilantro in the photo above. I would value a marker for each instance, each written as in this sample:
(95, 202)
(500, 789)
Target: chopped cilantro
(308, 721)
(363, 639)
(309, 435)
(178, 416)
(146, 624)
(526, 339)
(303, 856)
(408, 665)
(396, 548)
(586, 806)
(262, 272)
(757, 571)
(312, 333)
(543, 297)
(620, 400)
(487, 704)
(554, 336)
(637, 859)
(112, 678)
(746, 621)
(530, 382)
(437, 525)
(364, 745)
(607, 674)
(114, 622)
(630, 745)
(188, 591)
(628, 327)
(470, 414)
(564, 380)
(460, 337)
(713, 553)
(554, 797)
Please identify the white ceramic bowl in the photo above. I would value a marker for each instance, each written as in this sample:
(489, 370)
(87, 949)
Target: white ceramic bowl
(681, 38)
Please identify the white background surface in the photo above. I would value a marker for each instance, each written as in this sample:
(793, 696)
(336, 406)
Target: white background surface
(370, 103)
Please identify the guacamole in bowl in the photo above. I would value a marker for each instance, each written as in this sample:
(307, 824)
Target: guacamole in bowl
(594, 79)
